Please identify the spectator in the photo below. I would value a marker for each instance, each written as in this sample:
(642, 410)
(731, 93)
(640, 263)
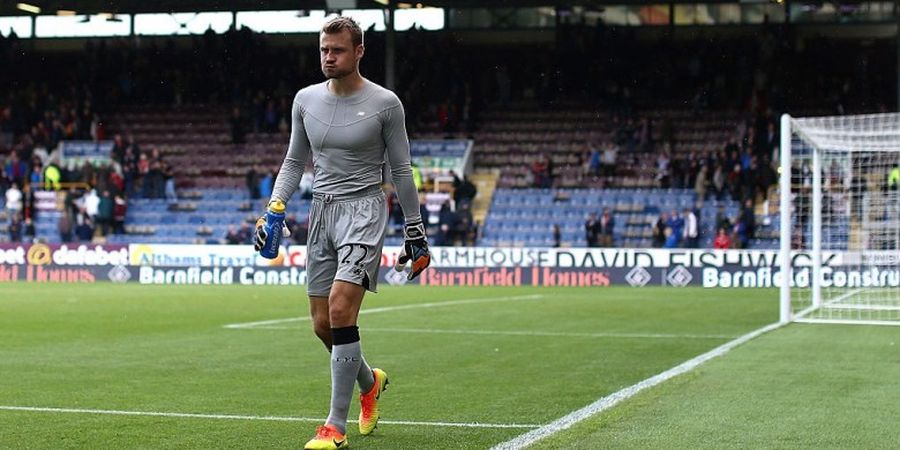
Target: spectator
(677, 173)
(265, 185)
(417, 175)
(84, 230)
(893, 181)
(739, 234)
(749, 180)
(663, 170)
(129, 171)
(463, 190)
(723, 240)
(396, 212)
(540, 169)
(722, 220)
(592, 230)
(858, 191)
(733, 182)
(446, 224)
(700, 183)
(15, 228)
(671, 238)
(299, 230)
(462, 231)
(746, 160)
(143, 171)
(36, 177)
(115, 178)
(557, 236)
(718, 182)
(233, 237)
(14, 200)
(766, 176)
(153, 186)
(4, 182)
(676, 223)
(284, 116)
(608, 161)
(168, 174)
(118, 149)
(252, 178)
(691, 230)
(593, 162)
(88, 173)
(16, 169)
(659, 230)
(748, 222)
(28, 230)
(770, 140)
(65, 227)
(105, 209)
(92, 205)
(550, 173)
(245, 233)
(306, 184)
(120, 210)
(464, 195)
(605, 231)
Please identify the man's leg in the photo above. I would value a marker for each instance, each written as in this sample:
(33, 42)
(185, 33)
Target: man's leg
(346, 353)
(318, 310)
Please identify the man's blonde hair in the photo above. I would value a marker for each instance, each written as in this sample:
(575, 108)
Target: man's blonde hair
(341, 23)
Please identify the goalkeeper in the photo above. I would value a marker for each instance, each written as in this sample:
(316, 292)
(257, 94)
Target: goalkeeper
(350, 126)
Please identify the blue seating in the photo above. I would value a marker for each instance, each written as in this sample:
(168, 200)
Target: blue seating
(526, 216)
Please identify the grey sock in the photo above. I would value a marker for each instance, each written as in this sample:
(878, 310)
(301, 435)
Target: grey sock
(365, 377)
(345, 362)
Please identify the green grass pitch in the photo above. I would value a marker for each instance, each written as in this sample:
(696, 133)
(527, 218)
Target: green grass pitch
(506, 359)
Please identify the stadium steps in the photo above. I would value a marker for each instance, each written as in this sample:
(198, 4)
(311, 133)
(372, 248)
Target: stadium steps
(855, 238)
(486, 183)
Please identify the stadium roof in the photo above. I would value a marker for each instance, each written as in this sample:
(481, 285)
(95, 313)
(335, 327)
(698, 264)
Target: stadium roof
(9, 8)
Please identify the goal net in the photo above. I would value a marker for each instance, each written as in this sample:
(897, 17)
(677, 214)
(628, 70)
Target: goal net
(840, 221)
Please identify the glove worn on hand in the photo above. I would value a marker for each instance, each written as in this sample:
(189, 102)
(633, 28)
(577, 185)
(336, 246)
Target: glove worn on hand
(259, 239)
(415, 250)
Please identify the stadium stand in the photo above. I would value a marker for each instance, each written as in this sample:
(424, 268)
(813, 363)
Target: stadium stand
(632, 137)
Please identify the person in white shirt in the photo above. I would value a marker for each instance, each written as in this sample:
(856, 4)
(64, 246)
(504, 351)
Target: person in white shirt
(13, 200)
(306, 184)
(92, 204)
(690, 232)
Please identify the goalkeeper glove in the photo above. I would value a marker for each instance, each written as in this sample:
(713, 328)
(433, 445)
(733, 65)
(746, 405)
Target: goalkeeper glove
(259, 238)
(415, 250)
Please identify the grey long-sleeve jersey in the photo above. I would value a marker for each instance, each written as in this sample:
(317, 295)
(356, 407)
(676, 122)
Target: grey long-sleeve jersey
(349, 138)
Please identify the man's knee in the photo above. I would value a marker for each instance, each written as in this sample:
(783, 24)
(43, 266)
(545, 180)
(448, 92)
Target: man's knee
(341, 314)
(320, 319)
(343, 304)
(322, 328)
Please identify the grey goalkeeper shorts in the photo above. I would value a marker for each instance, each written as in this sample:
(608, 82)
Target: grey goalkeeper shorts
(346, 234)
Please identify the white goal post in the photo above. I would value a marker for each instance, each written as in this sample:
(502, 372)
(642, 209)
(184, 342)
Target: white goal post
(840, 219)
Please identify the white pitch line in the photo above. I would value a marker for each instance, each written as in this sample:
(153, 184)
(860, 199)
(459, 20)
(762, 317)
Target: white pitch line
(392, 308)
(532, 333)
(604, 403)
(265, 418)
(555, 333)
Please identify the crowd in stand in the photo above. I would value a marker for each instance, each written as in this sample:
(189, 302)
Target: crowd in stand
(48, 99)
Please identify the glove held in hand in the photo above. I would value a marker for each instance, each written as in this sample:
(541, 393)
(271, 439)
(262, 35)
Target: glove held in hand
(415, 250)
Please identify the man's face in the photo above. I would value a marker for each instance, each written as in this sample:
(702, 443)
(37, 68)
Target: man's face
(338, 56)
